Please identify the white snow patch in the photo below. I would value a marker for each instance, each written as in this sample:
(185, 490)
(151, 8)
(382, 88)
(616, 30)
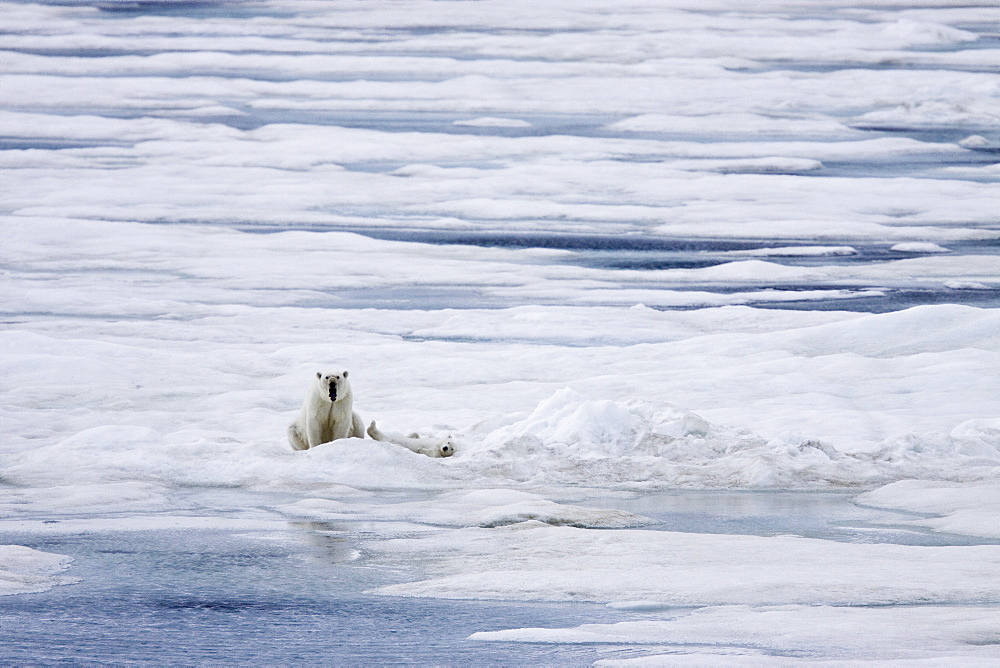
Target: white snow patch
(479, 508)
(27, 571)
(680, 569)
(965, 285)
(797, 251)
(913, 32)
(972, 508)
(975, 141)
(766, 165)
(732, 123)
(975, 112)
(125, 496)
(919, 247)
(949, 633)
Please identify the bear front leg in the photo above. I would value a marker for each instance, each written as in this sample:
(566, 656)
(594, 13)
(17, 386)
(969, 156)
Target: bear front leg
(314, 431)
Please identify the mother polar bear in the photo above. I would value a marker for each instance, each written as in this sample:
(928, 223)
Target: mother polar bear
(327, 413)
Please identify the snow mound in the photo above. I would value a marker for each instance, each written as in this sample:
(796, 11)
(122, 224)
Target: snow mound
(571, 440)
(27, 571)
(975, 142)
(970, 113)
(567, 440)
(909, 32)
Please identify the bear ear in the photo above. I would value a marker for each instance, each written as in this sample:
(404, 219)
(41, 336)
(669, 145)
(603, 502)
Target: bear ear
(319, 374)
(345, 374)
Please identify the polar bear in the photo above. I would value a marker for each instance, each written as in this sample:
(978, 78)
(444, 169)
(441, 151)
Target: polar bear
(432, 447)
(327, 413)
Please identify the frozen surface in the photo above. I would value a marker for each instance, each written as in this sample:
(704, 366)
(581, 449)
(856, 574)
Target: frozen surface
(681, 279)
(27, 571)
(536, 561)
(947, 634)
(971, 509)
(486, 508)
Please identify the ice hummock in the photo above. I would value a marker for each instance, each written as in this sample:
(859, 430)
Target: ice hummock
(567, 439)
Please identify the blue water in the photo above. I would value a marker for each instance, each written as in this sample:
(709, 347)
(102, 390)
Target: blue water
(651, 253)
(217, 597)
(296, 596)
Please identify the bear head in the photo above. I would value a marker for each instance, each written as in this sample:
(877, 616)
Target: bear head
(447, 447)
(333, 386)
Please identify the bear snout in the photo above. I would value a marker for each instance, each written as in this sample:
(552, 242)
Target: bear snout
(333, 391)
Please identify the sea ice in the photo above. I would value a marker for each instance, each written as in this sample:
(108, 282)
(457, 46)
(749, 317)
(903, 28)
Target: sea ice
(483, 508)
(200, 209)
(536, 561)
(27, 571)
(972, 508)
(796, 251)
(919, 247)
(875, 633)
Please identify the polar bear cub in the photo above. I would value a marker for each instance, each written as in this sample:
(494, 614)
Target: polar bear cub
(432, 447)
(327, 413)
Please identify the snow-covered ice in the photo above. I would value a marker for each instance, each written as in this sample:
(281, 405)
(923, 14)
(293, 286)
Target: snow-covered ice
(27, 571)
(534, 560)
(878, 635)
(971, 509)
(616, 250)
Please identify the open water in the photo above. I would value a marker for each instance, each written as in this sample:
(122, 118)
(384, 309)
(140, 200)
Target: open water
(296, 595)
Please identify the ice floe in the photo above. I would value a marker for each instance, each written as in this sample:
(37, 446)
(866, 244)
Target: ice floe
(27, 571)
(919, 247)
(536, 561)
(754, 634)
(971, 509)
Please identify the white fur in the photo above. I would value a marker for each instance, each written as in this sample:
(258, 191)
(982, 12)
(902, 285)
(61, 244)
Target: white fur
(432, 447)
(324, 418)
